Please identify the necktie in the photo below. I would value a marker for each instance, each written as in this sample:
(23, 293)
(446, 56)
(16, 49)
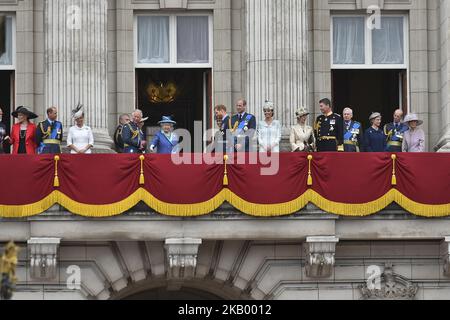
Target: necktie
(240, 118)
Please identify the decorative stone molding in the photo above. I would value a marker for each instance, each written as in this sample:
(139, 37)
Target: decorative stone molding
(173, 4)
(391, 286)
(182, 257)
(43, 257)
(445, 254)
(319, 253)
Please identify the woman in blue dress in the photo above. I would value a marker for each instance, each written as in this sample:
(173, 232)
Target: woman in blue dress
(374, 138)
(165, 141)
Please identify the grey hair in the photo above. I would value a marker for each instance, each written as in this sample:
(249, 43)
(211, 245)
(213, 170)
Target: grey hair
(348, 110)
(137, 111)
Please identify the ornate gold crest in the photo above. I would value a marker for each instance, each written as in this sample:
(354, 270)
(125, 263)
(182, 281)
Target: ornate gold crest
(162, 93)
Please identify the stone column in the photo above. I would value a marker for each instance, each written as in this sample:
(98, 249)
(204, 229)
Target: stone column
(75, 62)
(443, 113)
(276, 58)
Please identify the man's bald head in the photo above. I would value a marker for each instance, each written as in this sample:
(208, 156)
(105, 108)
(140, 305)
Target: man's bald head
(398, 115)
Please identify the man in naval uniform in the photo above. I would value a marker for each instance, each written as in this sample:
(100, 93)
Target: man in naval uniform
(222, 141)
(243, 127)
(49, 133)
(329, 129)
(352, 132)
(132, 135)
(394, 132)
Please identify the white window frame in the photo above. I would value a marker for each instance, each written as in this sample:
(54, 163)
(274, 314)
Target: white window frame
(368, 44)
(13, 53)
(173, 42)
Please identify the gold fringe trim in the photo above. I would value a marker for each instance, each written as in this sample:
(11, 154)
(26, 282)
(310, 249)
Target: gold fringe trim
(226, 195)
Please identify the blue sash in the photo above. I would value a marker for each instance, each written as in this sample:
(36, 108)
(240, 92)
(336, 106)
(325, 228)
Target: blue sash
(348, 134)
(54, 135)
(56, 131)
(243, 124)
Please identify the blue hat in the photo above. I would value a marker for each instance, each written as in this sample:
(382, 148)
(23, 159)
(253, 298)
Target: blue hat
(167, 120)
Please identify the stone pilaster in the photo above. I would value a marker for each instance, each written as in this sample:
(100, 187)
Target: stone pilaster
(76, 62)
(43, 257)
(319, 252)
(277, 57)
(182, 257)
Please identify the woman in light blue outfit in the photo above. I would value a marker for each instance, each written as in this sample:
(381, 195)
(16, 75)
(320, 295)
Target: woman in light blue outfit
(269, 131)
(165, 141)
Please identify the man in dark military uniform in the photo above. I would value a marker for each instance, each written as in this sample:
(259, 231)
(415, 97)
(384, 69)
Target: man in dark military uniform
(49, 133)
(394, 132)
(353, 132)
(132, 135)
(118, 141)
(329, 129)
(222, 140)
(243, 127)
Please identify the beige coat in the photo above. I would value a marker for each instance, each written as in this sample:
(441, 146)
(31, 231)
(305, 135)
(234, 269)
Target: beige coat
(300, 136)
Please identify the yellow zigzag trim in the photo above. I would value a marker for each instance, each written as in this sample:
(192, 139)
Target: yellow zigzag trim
(226, 195)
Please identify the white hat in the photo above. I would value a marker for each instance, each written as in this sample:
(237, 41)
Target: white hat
(413, 117)
(302, 111)
(269, 105)
(78, 112)
(374, 115)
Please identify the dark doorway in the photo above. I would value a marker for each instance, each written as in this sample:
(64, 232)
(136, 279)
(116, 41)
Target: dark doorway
(182, 294)
(181, 93)
(368, 91)
(6, 103)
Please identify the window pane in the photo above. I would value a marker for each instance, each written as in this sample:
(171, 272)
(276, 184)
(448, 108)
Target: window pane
(348, 40)
(193, 39)
(153, 39)
(388, 42)
(6, 58)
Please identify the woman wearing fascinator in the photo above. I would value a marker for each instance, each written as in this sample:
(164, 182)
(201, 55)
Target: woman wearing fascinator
(81, 138)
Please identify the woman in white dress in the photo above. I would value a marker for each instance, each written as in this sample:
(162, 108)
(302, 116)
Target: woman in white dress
(80, 139)
(302, 136)
(269, 131)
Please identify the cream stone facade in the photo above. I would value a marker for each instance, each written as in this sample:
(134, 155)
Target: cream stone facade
(279, 50)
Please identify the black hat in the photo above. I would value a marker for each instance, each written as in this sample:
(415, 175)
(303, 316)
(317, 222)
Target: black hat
(25, 111)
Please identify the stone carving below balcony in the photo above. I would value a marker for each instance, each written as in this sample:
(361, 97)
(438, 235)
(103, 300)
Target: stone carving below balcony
(445, 254)
(391, 286)
(182, 257)
(320, 253)
(43, 257)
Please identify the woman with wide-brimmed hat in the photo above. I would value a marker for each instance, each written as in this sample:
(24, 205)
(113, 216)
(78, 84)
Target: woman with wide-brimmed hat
(414, 138)
(302, 137)
(165, 141)
(23, 133)
(374, 138)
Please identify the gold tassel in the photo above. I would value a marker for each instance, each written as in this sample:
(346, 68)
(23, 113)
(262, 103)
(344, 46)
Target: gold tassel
(225, 174)
(56, 179)
(142, 178)
(394, 178)
(310, 180)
